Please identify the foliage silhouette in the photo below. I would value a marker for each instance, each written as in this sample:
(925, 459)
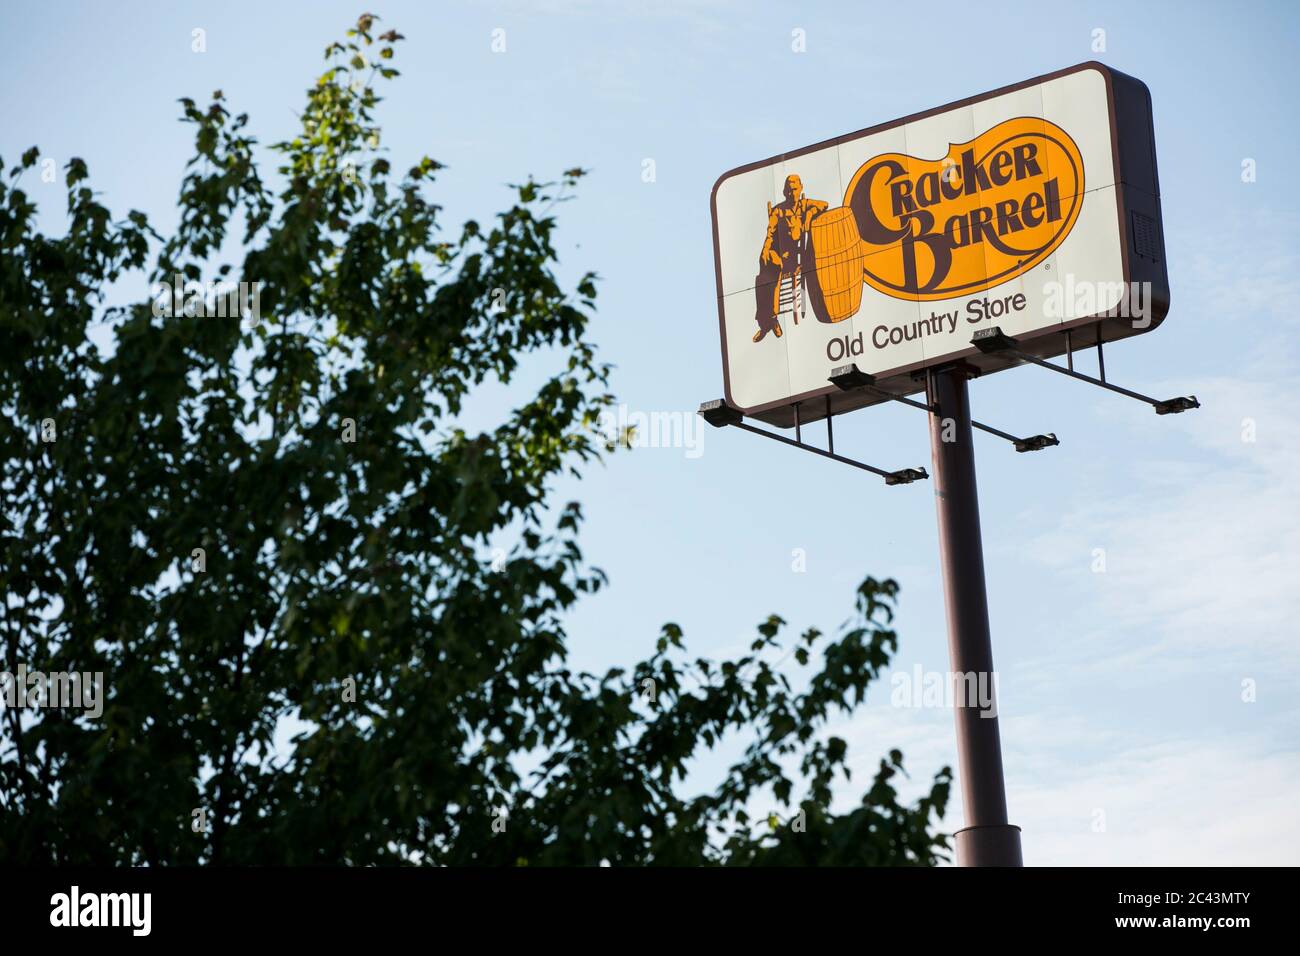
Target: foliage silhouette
(184, 512)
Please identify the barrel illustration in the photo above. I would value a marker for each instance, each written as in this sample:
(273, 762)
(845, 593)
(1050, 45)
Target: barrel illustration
(838, 254)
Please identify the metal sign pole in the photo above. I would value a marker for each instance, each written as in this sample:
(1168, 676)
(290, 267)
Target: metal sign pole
(987, 839)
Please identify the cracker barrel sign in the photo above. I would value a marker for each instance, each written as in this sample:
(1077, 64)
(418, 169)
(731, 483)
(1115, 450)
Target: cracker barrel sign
(1034, 208)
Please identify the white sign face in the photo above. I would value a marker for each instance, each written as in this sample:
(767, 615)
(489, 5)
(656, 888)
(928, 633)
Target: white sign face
(891, 247)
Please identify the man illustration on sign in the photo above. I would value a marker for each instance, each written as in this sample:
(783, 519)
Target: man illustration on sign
(782, 255)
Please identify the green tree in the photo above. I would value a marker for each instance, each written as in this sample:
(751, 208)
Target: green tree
(249, 523)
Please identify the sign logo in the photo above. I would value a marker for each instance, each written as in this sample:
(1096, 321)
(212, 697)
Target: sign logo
(990, 210)
(916, 229)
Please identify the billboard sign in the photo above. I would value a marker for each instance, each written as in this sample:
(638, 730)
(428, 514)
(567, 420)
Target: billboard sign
(1034, 208)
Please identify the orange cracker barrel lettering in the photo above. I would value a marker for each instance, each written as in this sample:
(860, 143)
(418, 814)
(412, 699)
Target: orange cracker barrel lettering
(989, 211)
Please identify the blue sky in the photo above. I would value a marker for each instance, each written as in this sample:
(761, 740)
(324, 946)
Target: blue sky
(1125, 735)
